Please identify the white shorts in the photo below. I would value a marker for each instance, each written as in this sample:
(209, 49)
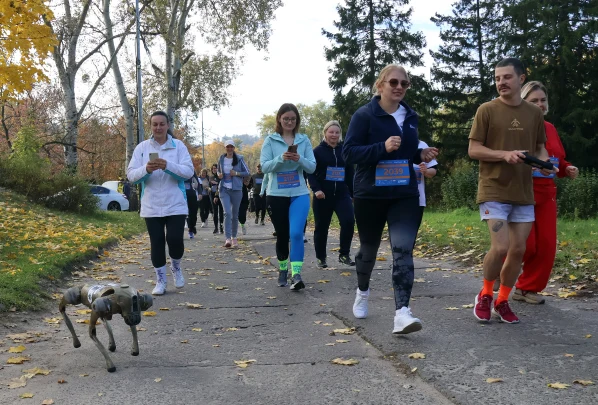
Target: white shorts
(507, 212)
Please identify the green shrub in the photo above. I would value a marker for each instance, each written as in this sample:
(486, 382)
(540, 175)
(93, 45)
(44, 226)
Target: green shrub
(578, 199)
(460, 187)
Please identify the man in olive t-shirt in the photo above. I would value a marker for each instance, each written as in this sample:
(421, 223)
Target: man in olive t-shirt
(502, 129)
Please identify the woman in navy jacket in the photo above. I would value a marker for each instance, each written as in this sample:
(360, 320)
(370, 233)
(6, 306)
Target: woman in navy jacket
(332, 185)
(382, 141)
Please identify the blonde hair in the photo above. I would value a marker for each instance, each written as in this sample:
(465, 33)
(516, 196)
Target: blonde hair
(384, 74)
(532, 86)
(332, 124)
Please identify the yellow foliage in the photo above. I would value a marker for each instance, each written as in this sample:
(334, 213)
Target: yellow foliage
(25, 41)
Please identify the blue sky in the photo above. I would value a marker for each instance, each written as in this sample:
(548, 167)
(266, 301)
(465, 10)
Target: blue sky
(294, 68)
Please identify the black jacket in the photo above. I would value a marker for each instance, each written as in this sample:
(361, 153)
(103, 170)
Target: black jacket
(327, 156)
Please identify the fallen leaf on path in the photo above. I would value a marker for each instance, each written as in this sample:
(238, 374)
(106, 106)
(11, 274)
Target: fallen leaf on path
(417, 356)
(323, 281)
(140, 329)
(17, 382)
(327, 324)
(185, 341)
(26, 395)
(37, 371)
(345, 331)
(467, 306)
(61, 382)
(215, 345)
(493, 380)
(197, 329)
(244, 363)
(164, 309)
(158, 380)
(546, 294)
(17, 360)
(194, 306)
(83, 375)
(271, 298)
(48, 402)
(53, 321)
(451, 308)
(346, 273)
(330, 344)
(231, 329)
(343, 362)
(569, 355)
(342, 341)
(86, 321)
(83, 311)
(17, 349)
(583, 382)
(381, 259)
(567, 294)
(588, 336)
(317, 322)
(559, 386)
(149, 313)
(230, 272)
(413, 370)
(221, 288)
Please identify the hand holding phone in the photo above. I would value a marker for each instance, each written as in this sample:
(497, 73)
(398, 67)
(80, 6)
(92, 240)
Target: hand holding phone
(153, 156)
(292, 149)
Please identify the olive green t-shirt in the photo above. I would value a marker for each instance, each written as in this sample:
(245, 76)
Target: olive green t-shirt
(500, 126)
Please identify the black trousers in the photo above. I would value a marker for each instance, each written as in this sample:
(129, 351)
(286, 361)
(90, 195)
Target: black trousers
(260, 206)
(403, 218)
(205, 207)
(175, 228)
(243, 211)
(217, 212)
(323, 209)
(192, 204)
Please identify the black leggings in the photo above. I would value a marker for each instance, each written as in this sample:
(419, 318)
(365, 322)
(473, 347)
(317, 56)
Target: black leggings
(217, 209)
(403, 217)
(205, 206)
(260, 206)
(175, 228)
(323, 210)
(192, 205)
(243, 211)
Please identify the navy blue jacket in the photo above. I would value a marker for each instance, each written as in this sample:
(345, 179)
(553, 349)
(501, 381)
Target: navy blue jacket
(364, 146)
(327, 156)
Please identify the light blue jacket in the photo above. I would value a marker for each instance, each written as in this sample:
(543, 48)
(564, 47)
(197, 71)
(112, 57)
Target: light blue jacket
(240, 168)
(271, 159)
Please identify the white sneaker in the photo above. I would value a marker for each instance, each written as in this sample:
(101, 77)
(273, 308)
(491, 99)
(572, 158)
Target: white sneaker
(160, 287)
(405, 322)
(203, 225)
(179, 279)
(360, 307)
(234, 243)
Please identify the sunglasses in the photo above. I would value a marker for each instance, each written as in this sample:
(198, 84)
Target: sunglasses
(395, 82)
(285, 119)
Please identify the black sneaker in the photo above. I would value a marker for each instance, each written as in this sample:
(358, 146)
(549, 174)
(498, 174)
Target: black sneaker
(221, 229)
(215, 231)
(274, 233)
(282, 278)
(256, 221)
(346, 259)
(262, 222)
(322, 263)
(297, 283)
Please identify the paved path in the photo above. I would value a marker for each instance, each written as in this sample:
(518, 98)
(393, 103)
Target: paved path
(245, 316)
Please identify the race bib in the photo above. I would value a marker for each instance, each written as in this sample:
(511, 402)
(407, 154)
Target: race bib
(288, 179)
(392, 173)
(214, 188)
(418, 174)
(227, 178)
(95, 288)
(537, 173)
(258, 181)
(335, 173)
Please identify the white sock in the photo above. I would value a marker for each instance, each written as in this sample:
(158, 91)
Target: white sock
(176, 263)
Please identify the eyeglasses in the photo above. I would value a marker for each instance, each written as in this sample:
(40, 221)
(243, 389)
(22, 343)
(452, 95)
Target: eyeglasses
(287, 120)
(395, 82)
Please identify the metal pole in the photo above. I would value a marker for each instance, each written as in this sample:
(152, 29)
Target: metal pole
(140, 131)
(203, 144)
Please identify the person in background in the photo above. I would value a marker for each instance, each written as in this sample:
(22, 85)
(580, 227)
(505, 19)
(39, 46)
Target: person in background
(244, 203)
(192, 189)
(382, 140)
(217, 211)
(332, 187)
(424, 171)
(259, 200)
(231, 170)
(205, 203)
(286, 155)
(541, 243)
(161, 164)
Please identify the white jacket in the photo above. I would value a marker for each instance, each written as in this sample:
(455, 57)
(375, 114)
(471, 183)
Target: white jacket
(162, 191)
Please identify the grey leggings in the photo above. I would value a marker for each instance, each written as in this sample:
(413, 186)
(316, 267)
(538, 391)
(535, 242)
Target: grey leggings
(403, 217)
(231, 200)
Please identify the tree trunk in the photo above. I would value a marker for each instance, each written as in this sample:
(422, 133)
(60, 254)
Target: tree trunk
(71, 123)
(371, 75)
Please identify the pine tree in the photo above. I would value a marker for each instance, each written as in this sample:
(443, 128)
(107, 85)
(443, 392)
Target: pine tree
(371, 34)
(463, 70)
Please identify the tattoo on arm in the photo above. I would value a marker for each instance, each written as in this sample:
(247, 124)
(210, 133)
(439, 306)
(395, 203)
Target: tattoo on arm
(496, 227)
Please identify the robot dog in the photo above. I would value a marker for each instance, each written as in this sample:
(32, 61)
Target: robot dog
(105, 301)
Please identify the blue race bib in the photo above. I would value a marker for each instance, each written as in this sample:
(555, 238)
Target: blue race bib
(258, 181)
(537, 173)
(418, 174)
(227, 178)
(335, 173)
(392, 173)
(288, 179)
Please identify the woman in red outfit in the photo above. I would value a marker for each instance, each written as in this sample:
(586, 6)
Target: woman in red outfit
(541, 243)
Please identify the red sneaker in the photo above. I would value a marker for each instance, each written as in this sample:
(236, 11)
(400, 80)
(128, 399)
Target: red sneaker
(482, 307)
(503, 311)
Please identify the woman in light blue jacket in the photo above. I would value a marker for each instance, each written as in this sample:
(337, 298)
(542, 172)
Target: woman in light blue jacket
(285, 155)
(231, 170)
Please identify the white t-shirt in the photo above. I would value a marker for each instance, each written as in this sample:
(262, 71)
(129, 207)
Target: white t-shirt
(421, 185)
(228, 166)
(399, 116)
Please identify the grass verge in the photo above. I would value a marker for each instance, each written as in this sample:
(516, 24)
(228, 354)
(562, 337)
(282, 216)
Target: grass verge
(37, 244)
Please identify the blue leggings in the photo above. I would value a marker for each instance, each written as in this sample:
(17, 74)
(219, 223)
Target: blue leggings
(288, 215)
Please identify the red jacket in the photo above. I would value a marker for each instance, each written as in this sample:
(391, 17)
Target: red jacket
(555, 149)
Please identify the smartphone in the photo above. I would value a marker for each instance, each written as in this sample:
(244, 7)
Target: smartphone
(153, 156)
(292, 149)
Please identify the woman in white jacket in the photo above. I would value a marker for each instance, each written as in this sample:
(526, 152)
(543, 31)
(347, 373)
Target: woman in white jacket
(161, 165)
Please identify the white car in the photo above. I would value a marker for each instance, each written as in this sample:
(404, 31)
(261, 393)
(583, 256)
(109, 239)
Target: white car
(110, 200)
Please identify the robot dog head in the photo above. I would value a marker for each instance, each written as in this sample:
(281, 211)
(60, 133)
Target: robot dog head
(131, 303)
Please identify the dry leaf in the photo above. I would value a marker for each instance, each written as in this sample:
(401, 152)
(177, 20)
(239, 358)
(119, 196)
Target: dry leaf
(83, 375)
(215, 345)
(419, 280)
(559, 386)
(330, 344)
(53, 321)
(588, 336)
(342, 341)
(381, 259)
(493, 380)
(83, 311)
(343, 362)
(194, 306)
(317, 322)
(149, 313)
(451, 308)
(17, 349)
(271, 298)
(164, 309)
(583, 382)
(345, 331)
(37, 371)
(17, 360)
(327, 324)
(244, 363)
(323, 281)
(231, 329)
(221, 288)
(17, 382)
(467, 306)
(414, 369)
(48, 402)
(140, 329)
(185, 341)
(567, 294)
(569, 355)
(230, 272)
(417, 356)
(26, 395)
(197, 329)
(157, 380)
